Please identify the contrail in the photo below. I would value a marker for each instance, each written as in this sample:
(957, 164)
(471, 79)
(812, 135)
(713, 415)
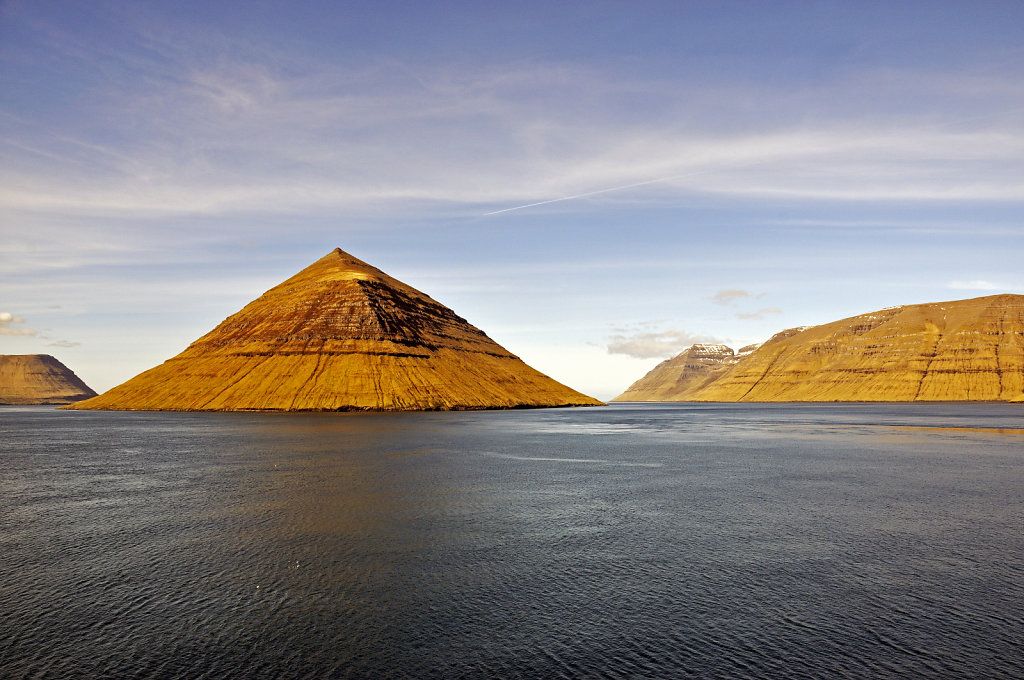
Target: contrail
(599, 191)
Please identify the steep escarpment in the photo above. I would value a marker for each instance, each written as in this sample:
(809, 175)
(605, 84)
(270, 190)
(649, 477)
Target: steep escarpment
(965, 350)
(341, 335)
(39, 379)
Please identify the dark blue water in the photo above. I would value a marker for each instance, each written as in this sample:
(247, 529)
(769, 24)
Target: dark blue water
(631, 541)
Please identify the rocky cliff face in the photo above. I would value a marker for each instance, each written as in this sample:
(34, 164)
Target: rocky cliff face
(341, 335)
(39, 379)
(966, 350)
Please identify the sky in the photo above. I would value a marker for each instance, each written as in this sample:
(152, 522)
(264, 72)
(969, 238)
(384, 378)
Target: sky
(596, 185)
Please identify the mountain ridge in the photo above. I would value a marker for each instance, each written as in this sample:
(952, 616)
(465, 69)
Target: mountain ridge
(960, 350)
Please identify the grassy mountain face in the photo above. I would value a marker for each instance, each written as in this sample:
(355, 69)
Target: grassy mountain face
(966, 350)
(39, 379)
(341, 335)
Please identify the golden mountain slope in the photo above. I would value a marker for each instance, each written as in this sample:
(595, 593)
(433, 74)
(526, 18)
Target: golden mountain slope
(966, 350)
(340, 335)
(39, 379)
(676, 378)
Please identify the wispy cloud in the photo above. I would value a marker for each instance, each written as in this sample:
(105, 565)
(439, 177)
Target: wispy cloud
(505, 138)
(759, 314)
(655, 344)
(730, 295)
(7, 321)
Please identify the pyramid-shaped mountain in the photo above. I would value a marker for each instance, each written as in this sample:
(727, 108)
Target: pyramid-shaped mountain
(341, 335)
(39, 379)
(962, 350)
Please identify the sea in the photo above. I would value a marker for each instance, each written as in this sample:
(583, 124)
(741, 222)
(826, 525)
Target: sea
(626, 541)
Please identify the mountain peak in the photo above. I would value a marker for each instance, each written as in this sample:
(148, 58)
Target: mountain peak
(691, 369)
(340, 265)
(340, 256)
(341, 335)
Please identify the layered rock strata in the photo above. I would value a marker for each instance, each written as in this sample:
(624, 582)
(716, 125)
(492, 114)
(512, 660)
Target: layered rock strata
(341, 335)
(39, 379)
(966, 350)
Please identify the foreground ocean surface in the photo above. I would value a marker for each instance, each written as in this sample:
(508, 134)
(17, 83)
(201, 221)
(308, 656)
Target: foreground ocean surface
(631, 541)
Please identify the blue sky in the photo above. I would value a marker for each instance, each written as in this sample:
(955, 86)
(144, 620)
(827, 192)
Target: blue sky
(596, 185)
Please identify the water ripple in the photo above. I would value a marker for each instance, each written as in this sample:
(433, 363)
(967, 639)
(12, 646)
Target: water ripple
(626, 542)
